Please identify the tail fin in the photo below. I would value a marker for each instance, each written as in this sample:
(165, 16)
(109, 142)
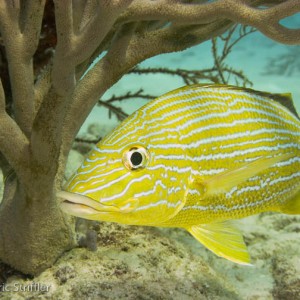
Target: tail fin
(292, 206)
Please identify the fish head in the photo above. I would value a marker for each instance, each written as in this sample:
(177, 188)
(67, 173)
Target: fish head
(125, 182)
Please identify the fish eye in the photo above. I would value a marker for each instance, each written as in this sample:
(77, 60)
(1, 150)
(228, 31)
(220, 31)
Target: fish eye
(135, 158)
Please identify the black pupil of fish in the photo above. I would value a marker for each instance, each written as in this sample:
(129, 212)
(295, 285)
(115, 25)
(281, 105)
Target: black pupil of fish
(136, 158)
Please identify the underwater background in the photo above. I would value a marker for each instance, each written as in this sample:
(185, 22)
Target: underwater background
(130, 262)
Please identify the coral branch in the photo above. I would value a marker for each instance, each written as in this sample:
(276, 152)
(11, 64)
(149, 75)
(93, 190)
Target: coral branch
(42, 87)
(130, 95)
(120, 114)
(77, 45)
(63, 70)
(264, 19)
(20, 47)
(30, 24)
(13, 143)
(2, 99)
(83, 140)
(117, 111)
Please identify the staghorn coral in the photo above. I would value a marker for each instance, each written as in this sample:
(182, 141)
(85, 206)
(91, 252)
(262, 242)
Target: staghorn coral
(51, 98)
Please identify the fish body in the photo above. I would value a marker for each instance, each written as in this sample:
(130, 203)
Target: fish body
(195, 158)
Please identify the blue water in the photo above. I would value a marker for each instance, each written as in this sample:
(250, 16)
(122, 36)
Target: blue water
(251, 55)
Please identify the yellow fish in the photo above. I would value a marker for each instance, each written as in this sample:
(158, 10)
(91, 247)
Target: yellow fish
(195, 158)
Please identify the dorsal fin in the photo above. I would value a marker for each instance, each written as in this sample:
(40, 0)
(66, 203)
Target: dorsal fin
(284, 99)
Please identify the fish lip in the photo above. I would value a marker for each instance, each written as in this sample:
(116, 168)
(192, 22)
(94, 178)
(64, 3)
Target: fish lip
(82, 206)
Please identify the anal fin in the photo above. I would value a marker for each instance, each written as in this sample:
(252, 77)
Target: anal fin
(223, 239)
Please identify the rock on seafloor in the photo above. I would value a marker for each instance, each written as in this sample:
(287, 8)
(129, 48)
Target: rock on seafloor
(129, 262)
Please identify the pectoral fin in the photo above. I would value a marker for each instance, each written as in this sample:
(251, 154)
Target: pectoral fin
(223, 239)
(222, 183)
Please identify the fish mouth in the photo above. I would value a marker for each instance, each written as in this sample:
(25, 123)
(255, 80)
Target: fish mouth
(83, 206)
